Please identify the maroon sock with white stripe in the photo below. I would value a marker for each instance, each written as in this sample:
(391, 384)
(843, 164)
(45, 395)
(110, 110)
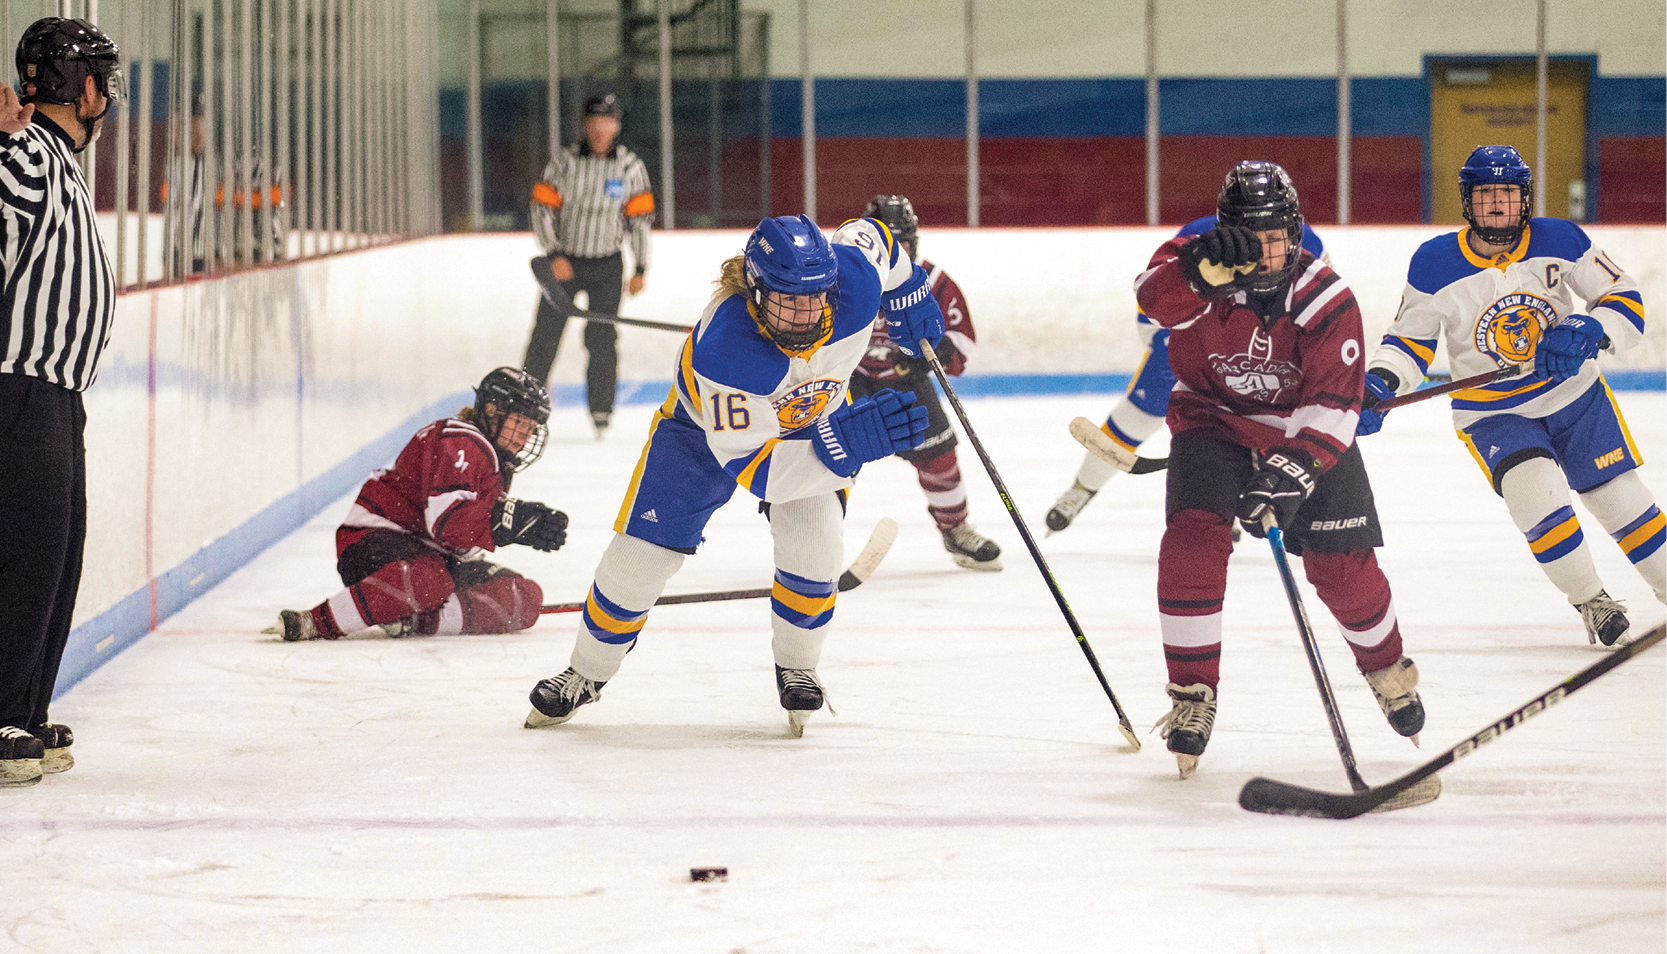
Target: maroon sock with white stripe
(1192, 580)
(946, 496)
(1354, 588)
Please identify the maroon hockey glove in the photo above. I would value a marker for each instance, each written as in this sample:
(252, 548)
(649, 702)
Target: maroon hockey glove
(1281, 485)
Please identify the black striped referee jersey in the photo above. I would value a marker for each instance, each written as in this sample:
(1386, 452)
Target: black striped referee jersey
(587, 205)
(59, 292)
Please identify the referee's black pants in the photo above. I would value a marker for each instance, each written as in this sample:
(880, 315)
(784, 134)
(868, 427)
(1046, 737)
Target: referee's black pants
(43, 527)
(601, 278)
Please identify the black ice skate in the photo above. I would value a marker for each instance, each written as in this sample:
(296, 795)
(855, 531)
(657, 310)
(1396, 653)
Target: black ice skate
(801, 694)
(56, 740)
(971, 549)
(1188, 724)
(296, 625)
(1605, 619)
(1069, 504)
(1396, 689)
(20, 757)
(600, 420)
(554, 699)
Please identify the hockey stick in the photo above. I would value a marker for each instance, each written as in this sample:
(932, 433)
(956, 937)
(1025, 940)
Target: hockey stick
(1089, 434)
(1030, 542)
(1416, 795)
(879, 542)
(1475, 380)
(1282, 798)
(562, 302)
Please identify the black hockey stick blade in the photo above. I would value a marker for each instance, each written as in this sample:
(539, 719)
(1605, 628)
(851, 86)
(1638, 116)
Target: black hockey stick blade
(1281, 798)
(879, 542)
(1089, 435)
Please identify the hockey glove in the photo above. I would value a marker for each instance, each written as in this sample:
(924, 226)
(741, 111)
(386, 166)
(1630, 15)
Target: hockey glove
(529, 523)
(912, 314)
(1280, 486)
(871, 428)
(1567, 345)
(1213, 261)
(1380, 386)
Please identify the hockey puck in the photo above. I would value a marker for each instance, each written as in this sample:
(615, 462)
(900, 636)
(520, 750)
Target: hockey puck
(708, 874)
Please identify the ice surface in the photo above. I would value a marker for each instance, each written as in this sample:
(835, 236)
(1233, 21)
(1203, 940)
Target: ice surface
(236, 793)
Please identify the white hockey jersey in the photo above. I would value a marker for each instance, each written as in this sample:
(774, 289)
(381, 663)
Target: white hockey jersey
(1494, 313)
(756, 402)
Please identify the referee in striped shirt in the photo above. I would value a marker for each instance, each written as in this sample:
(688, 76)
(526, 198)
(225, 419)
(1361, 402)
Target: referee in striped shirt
(57, 298)
(593, 197)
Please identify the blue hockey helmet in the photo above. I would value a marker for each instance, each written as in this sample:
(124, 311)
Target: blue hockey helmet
(788, 259)
(1496, 165)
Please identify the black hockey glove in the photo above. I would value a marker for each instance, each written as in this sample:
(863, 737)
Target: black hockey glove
(528, 522)
(1280, 486)
(1213, 261)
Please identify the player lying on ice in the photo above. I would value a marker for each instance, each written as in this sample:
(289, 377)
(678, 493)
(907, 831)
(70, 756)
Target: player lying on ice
(1265, 341)
(759, 401)
(1501, 292)
(411, 550)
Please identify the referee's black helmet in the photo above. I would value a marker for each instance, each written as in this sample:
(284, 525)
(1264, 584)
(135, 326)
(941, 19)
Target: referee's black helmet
(56, 55)
(606, 104)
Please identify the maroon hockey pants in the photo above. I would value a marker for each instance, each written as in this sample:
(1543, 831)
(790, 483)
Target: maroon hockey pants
(1192, 582)
(421, 587)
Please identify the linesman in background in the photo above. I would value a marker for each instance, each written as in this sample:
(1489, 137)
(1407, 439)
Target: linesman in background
(594, 196)
(55, 314)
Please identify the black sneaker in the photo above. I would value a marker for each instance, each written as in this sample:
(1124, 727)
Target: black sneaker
(20, 757)
(554, 699)
(56, 740)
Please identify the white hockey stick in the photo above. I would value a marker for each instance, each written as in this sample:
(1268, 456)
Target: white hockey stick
(1089, 435)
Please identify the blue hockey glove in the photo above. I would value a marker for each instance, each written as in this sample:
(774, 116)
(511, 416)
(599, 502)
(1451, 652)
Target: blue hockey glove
(871, 428)
(1380, 386)
(912, 313)
(1281, 484)
(1567, 345)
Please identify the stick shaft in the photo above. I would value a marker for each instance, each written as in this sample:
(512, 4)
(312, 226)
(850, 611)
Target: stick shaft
(1476, 380)
(1024, 534)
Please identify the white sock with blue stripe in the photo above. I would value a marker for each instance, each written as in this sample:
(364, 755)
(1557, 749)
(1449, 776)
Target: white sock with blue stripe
(1538, 497)
(630, 577)
(809, 552)
(1628, 511)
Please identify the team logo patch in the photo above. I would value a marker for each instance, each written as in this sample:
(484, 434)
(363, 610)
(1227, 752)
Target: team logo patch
(1511, 328)
(806, 402)
(1254, 373)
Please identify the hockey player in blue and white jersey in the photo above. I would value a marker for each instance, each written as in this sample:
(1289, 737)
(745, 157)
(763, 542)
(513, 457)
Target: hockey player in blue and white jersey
(759, 400)
(1502, 292)
(1141, 412)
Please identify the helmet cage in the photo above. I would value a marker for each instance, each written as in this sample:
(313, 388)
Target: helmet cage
(788, 260)
(1260, 196)
(512, 391)
(1496, 165)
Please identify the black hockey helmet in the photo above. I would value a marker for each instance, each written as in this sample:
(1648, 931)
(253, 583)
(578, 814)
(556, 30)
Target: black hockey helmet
(513, 391)
(1259, 196)
(56, 55)
(605, 104)
(899, 215)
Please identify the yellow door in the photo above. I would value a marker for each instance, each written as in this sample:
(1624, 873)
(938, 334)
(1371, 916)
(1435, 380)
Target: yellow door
(1493, 103)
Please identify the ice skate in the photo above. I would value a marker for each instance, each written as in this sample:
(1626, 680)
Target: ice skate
(20, 757)
(56, 740)
(972, 549)
(1396, 689)
(1069, 504)
(1187, 726)
(801, 694)
(599, 420)
(296, 625)
(1605, 619)
(554, 699)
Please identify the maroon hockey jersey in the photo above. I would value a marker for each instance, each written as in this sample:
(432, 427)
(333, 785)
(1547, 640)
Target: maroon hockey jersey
(1294, 384)
(442, 487)
(884, 362)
